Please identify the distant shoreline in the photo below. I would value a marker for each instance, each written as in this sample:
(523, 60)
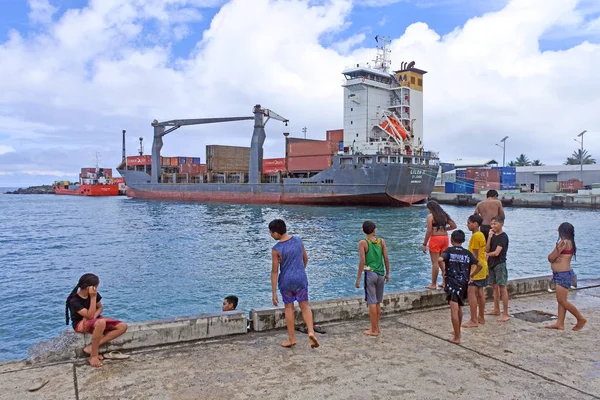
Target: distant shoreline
(43, 189)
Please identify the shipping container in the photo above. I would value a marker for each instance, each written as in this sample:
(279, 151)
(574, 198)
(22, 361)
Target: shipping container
(464, 187)
(139, 160)
(335, 135)
(481, 186)
(227, 158)
(272, 170)
(449, 187)
(118, 180)
(446, 167)
(309, 163)
(483, 174)
(271, 162)
(308, 147)
(174, 161)
(192, 169)
(182, 160)
(551, 186)
(461, 174)
(196, 160)
(570, 186)
(508, 186)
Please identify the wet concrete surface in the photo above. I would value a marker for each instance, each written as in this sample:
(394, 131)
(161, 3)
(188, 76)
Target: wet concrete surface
(410, 359)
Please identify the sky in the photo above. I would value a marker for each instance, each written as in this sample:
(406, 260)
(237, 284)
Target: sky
(75, 73)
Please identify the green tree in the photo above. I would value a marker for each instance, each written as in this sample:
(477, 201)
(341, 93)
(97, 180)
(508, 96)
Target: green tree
(537, 163)
(521, 161)
(579, 155)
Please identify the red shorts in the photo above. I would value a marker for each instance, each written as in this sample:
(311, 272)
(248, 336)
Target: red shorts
(87, 326)
(437, 244)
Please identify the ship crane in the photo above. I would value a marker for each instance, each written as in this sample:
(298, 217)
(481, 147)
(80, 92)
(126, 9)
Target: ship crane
(258, 138)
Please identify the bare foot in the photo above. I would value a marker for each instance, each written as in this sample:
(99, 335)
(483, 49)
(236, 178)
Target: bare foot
(556, 326)
(503, 318)
(430, 287)
(87, 350)
(454, 340)
(580, 324)
(369, 332)
(470, 324)
(95, 362)
(481, 321)
(493, 312)
(442, 285)
(314, 343)
(288, 343)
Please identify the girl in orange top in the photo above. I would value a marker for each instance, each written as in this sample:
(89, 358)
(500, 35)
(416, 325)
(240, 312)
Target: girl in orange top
(438, 225)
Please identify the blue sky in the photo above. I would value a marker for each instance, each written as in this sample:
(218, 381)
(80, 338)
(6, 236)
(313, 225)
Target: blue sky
(72, 78)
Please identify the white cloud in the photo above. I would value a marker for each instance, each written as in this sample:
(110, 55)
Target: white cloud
(97, 70)
(6, 149)
(41, 11)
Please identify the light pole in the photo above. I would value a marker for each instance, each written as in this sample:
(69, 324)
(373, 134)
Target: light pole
(503, 147)
(581, 154)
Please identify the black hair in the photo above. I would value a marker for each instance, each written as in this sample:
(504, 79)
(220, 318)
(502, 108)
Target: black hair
(369, 227)
(85, 281)
(498, 218)
(567, 231)
(233, 300)
(491, 193)
(458, 236)
(476, 218)
(278, 226)
(440, 217)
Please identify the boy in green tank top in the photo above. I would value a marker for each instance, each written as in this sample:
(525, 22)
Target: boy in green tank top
(373, 254)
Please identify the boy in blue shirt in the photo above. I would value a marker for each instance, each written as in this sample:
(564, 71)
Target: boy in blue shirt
(289, 262)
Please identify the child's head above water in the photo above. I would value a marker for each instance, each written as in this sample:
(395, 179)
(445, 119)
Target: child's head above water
(277, 228)
(230, 303)
(457, 237)
(369, 227)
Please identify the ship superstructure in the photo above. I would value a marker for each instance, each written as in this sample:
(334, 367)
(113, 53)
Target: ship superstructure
(383, 110)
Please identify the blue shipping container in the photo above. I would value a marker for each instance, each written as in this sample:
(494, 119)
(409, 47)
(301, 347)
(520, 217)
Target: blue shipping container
(181, 160)
(196, 160)
(508, 186)
(461, 174)
(446, 167)
(464, 187)
(449, 187)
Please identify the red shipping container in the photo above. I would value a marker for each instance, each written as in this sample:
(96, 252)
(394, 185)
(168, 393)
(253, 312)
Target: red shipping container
(306, 147)
(139, 160)
(572, 185)
(310, 163)
(272, 170)
(483, 174)
(336, 135)
(174, 161)
(272, 162)
(192, 169)
(118, 180)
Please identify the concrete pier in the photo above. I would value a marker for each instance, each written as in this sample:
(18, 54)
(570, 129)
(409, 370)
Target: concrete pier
(411, 358)
(541, 200)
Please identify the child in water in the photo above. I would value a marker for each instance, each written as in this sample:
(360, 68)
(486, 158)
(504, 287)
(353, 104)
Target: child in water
(563, 276)
(289, 262)
(85, 306)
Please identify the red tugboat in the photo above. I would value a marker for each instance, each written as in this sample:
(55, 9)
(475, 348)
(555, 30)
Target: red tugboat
(92, 182)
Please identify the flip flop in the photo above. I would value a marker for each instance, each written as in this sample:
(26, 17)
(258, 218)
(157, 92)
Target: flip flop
(301, 328)
(37, 384)
(116, 355)
(319, 329)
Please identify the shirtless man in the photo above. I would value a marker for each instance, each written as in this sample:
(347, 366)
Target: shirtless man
(489, 208)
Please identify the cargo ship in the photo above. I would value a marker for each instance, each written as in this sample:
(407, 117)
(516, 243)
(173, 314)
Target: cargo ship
(378, 157)
(92, 182)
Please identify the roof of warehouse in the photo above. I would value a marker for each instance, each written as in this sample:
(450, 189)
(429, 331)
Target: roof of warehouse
(554, 169)
(474, 162)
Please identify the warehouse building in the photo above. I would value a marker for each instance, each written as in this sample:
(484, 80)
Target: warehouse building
(544, 178)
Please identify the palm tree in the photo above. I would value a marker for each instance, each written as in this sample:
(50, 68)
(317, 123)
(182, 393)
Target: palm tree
(579, 155)
(537, 163)
(521, 161)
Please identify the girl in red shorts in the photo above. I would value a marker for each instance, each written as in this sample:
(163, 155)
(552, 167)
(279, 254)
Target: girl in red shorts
(438, 225)
(85, 306)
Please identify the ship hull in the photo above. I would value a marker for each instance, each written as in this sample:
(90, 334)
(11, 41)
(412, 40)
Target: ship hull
(378, 185)
(89, 190)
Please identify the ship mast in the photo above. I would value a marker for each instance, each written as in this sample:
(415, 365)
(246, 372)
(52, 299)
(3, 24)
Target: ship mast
(382, 58)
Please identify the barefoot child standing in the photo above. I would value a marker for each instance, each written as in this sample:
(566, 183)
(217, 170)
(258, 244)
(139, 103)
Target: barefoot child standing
(289, 262)
(86, 308)
(459, 266)
(373, 254)
(563, 276)
(476, 294)
(496, 248)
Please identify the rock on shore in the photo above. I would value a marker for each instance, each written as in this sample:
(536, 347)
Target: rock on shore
(44, 189)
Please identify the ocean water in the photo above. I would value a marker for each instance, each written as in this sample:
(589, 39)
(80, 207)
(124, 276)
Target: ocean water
(164, 259)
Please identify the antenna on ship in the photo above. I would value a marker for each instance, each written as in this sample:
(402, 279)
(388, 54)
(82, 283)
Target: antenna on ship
(382, 59)
(124, 154)
(141, 149)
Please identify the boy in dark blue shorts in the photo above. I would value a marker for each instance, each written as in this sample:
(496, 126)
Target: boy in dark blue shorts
(459, 266)
(289, 262)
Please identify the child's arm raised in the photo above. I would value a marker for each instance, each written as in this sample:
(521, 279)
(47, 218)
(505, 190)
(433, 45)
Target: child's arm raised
(560, 246)
(386, 260)
(362, 250)
(274, 273)
(89, 313)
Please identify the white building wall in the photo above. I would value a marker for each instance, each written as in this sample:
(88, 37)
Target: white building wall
(416, 113)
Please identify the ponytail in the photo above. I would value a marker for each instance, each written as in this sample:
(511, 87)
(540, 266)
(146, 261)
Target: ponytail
(85, 281)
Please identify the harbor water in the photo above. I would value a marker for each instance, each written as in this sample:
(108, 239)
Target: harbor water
(164, 259)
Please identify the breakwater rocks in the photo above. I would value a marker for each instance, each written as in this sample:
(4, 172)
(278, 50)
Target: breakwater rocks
(44, 189)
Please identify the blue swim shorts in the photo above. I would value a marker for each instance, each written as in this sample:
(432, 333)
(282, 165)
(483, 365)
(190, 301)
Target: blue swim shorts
(299, 295)
(480, 282)
(564, 278)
